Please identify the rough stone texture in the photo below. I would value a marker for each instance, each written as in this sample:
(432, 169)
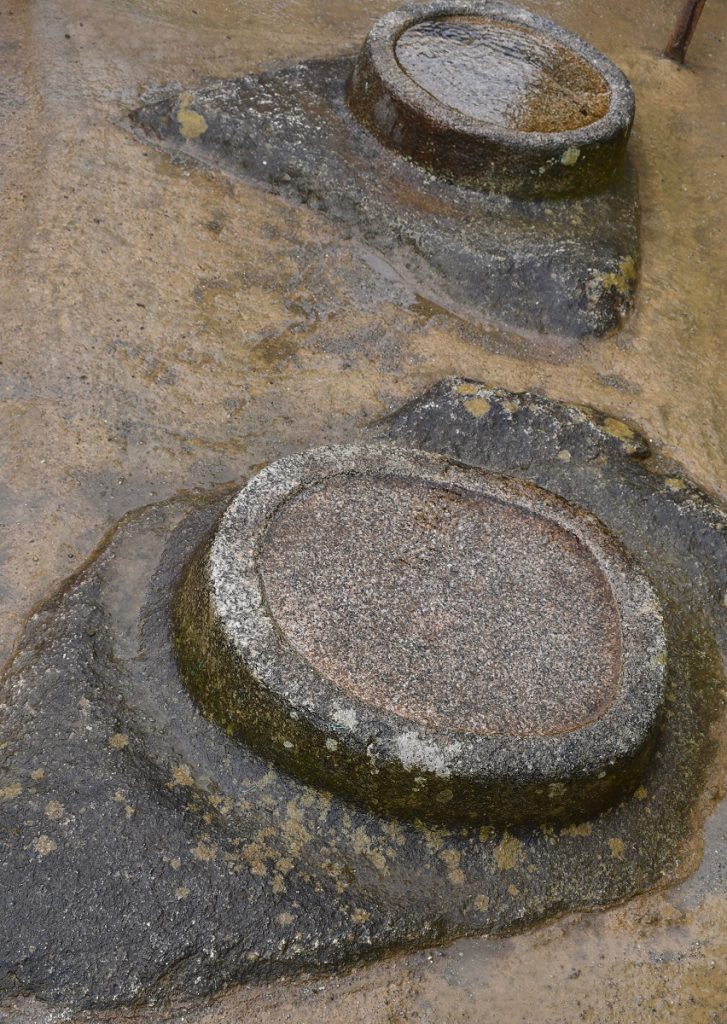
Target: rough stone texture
(542, 708)
(143, 851)
(555, 267)
(536, 147)
(449, 608)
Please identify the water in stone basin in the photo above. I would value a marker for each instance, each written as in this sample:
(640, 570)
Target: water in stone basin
(502, 74)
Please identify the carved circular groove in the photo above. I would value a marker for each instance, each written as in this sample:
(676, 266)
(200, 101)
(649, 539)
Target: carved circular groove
(432, 639)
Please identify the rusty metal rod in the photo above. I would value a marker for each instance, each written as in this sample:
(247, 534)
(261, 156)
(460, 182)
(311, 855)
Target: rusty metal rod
(686, 23)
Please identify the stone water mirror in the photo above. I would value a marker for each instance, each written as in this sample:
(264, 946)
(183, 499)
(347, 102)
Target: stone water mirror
(479, 147)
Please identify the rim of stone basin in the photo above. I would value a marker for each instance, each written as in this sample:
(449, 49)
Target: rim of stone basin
(524, 164)
(244, 671)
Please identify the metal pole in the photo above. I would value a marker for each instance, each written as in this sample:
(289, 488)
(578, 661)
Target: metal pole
(686, 23)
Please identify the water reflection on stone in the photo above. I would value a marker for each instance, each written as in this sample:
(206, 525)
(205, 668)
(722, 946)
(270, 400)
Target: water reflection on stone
(502, 74)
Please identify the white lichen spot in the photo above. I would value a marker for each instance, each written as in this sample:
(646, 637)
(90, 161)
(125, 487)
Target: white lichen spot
(481, 903)
(345, 717)
(570, 156)
(118, 741)
(44, 845)
(331, 744)
(415, 752)
(513, 890)
(359, 916)
(182, 892)
(286, 919)
(37, 774)
(287, 744)
(650, 607)
(565, 455)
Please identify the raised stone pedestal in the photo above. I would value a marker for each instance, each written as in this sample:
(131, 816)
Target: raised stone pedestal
(492, 96)
(433, 640)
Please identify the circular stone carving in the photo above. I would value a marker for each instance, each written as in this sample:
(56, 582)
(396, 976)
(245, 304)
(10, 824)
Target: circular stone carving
(432, 639)
(492, 96)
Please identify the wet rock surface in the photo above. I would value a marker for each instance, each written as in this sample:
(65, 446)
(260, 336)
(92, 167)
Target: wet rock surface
(147, 851)
(552, 267)
(494, 97)
(501, 74)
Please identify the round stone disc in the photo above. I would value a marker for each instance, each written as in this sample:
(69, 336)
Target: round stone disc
(494, 97)
(429, 638)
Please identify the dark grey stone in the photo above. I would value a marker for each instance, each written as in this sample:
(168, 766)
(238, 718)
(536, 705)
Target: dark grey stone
(554, 266)
(143, 852)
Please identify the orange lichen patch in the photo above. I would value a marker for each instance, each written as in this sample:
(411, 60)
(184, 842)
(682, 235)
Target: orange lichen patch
(204, 851)
(44, 845)
(616, 428)
(509, 853)
(53, 810)
(617, 848)
(477, 407)
(181, 776)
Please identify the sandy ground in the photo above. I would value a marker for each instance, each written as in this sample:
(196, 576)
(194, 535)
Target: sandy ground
(166, 327)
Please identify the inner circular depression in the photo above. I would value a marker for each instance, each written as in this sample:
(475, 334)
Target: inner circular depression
(502, 74)
(449, 608)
